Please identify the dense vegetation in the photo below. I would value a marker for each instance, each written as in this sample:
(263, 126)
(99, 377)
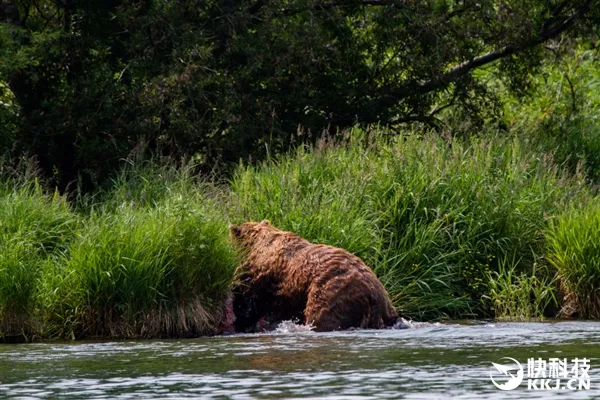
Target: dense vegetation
(151, 259)
(453, 145)
(488, 228)
(85, 82)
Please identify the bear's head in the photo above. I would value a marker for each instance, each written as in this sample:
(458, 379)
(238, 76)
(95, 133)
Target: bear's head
(248, 233)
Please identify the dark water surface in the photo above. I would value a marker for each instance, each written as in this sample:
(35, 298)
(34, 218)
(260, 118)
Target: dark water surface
(426, 361)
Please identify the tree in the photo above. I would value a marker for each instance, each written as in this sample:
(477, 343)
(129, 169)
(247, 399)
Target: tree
(224, 79)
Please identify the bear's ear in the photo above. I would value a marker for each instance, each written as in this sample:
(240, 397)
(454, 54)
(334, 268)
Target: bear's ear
(265, 222)
(234, 229)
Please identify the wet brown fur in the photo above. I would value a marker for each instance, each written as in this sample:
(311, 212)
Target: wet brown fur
(284, 277)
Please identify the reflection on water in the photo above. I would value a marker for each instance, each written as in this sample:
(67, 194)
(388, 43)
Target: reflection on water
(426, 361)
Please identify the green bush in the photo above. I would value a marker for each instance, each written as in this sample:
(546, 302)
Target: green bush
(574, 250)
(150, 268)
(33, 227)
(560, 116)
(226, 81)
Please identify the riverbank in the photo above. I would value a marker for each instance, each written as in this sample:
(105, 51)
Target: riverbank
(486, 228)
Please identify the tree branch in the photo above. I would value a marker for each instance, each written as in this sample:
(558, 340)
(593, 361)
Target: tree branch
(476, 62)
(393, 95)
(460, 11)
(573, 92)
(256, 7)
(327, 6)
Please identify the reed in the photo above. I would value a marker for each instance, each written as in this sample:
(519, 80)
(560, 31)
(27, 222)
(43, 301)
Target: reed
(151, 260)
(457, 229)
(574, 250)
(34, 226)
(432, 218)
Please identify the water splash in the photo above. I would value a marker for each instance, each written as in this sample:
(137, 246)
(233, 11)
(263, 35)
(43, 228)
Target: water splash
(293, 327)
(403, 324)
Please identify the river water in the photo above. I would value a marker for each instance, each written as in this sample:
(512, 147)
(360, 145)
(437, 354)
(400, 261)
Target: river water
(425, 361)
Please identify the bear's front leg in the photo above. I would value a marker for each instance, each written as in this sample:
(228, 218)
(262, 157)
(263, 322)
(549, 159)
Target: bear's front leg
(253, 299)
(245, 308)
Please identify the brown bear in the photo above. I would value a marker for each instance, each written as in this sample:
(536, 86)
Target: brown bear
(286, 277)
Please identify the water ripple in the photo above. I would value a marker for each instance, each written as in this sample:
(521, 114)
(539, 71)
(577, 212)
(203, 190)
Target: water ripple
(426, 361)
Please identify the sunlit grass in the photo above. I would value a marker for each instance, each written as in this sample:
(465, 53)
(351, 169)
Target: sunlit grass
(152, 260)
(453, 230)
(432, 219)
(519, 296)
(574, 250)
(33, 227)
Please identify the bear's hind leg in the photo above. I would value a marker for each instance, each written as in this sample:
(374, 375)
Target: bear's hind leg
(329, 314)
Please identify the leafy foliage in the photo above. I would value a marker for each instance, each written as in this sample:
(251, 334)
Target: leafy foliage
(561, 114)
(152, 260)
(224, 80)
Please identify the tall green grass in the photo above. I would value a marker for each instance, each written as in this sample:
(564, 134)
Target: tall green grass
(432, 219)
(149, 257)
(34, 226)
(521, 296)
(574, 250)
(481, 228)
(152, 260)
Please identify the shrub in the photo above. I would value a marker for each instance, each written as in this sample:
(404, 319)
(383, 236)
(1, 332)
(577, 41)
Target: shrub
(574, 249)
(561, 115)
(33, 227)
(520, 296)
(154, 261)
